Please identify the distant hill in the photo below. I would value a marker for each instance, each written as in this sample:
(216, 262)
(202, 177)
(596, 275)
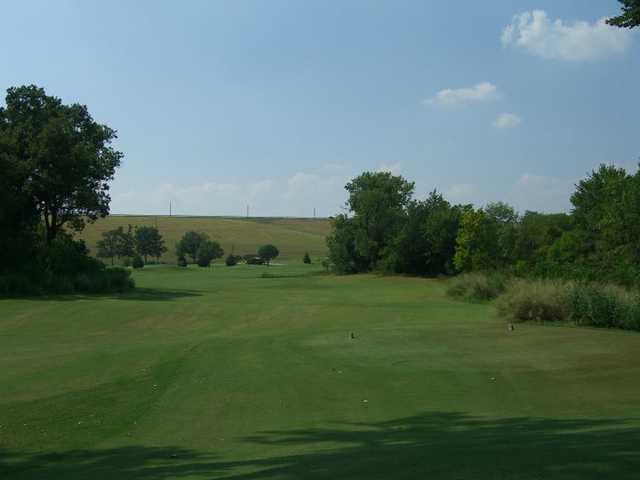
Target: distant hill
(293, 236)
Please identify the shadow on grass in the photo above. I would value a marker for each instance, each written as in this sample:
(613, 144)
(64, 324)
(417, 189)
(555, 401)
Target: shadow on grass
(138, 294)
(284, 275)
(428, 446)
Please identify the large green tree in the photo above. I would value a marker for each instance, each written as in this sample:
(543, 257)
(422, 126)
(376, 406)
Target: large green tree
(344, 257)
(507, 221)
(630, 16)
(18, 214)
(109, 245)
(477, 244)
(208, 250)
(117, 243)
(149, 242)
(606, 214)
(268, 252)
(190, 243)
(378, 202)
(425, 244)
(62, 158)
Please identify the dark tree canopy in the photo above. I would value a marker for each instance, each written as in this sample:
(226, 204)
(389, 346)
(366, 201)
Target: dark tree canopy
(268, 252)
(149, 242)
(62, 159)
(425, 244)
(378, 201)
(109, 245)
(207, 251)
(190, 243)
(630, 16)
(117, 243)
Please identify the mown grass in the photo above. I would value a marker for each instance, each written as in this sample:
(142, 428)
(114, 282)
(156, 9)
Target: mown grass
(292, 236)
(224, 373)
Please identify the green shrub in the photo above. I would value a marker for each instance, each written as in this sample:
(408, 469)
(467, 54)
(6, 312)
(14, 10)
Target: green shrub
(605, 306)
(208, 251)
(231, 261)
(99, 280)
(182, 261)
(18, 284)
(306, 259)
(535, 300)
(477, 286)
(588, 304)
(137, 262)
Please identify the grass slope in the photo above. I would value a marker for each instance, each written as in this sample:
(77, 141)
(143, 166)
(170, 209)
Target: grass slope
(221, 373)
(292, 236)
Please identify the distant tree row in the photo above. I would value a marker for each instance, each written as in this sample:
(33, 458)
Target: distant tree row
(202, 251)
(143, 242)
(388, 230)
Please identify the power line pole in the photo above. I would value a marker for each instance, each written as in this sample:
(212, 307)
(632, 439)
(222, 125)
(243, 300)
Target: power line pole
(169, 207)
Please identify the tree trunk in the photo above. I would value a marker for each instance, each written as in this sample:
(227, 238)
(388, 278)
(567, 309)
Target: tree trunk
(47, 226)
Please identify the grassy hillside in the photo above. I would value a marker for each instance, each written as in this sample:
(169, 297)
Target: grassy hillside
(292, 236)
(225, 373)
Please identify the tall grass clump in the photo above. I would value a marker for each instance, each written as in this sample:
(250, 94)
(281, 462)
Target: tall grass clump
(478, 287)
(536, 300)
(588, 304)
(605, 306)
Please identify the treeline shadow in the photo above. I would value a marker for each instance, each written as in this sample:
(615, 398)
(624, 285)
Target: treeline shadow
(438, 445)
(137, 294)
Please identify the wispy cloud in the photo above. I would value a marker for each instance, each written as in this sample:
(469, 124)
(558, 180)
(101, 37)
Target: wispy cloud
(295, 195)
(481, 92)
(507, 120)
(462, 193)
(537, 34)
(541, 193)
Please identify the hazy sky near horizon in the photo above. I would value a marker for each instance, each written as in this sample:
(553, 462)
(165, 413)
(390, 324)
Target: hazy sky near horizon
(277, 104)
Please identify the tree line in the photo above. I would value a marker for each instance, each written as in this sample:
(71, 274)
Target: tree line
(386, 229)
(137, 243)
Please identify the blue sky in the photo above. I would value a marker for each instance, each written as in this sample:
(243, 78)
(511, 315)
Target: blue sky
(277, 104)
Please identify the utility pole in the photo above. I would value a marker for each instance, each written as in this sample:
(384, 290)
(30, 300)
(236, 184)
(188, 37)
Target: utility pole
(169, 207)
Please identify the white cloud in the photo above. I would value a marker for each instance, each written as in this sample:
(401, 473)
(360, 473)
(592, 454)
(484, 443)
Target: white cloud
(537, 34)
(462, 193)
(541, 193)
(507, 120)
(481, 92)
(295, 195)
(527, 192)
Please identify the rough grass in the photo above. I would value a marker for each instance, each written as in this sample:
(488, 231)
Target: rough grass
(536, 300)
(477, 287)
(219, 373)
(596, 305)
(293, 237)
